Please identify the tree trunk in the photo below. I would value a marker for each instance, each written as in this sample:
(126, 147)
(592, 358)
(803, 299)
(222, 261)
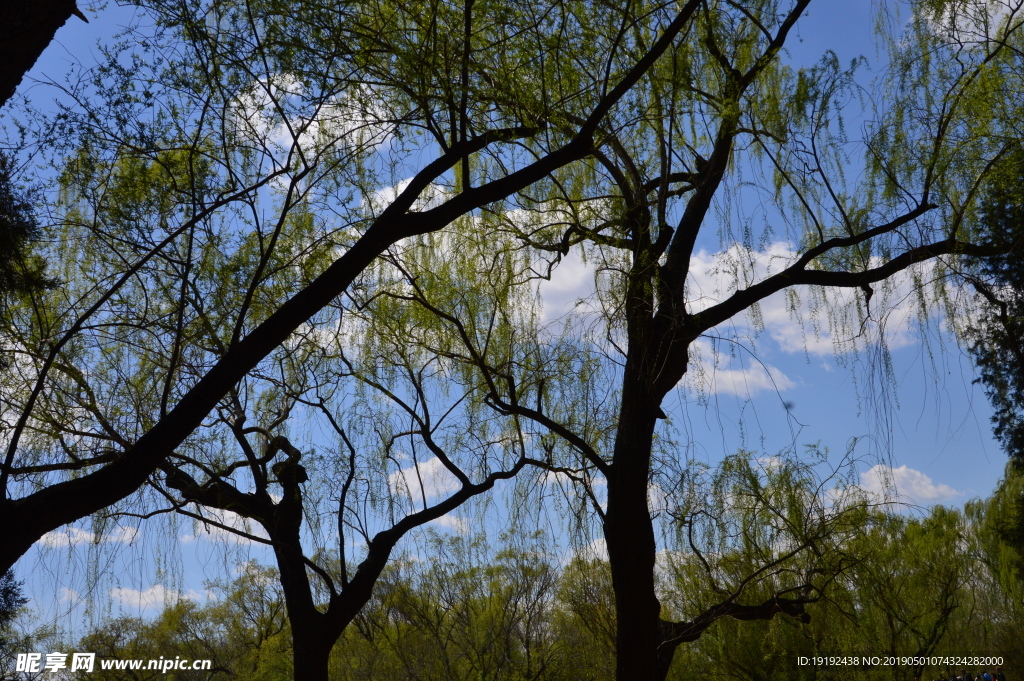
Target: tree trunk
(313, 635)
(629, 534)
(311, 649)
(666, 652)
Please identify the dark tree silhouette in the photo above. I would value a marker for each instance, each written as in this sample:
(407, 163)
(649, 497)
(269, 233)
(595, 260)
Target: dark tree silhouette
(20, 271)
(11, 600)
(997, 341)
(28, 27)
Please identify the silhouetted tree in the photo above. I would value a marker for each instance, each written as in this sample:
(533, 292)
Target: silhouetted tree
(27, 28)
(11, 600)
(20, 270)
(997, 342)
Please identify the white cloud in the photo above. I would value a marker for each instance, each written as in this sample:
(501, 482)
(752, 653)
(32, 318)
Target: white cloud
(970, 22)
(798, 319)
(595, 550)
(770, 463)
(124, 535)
(572, 280)
(360, 117)
(69, 536)
(66, 595)
(903, 484)
(820, 321)
(432, 196)
(156, 596)
(658, 499)
(559, 477)
(229, 519)
(720, 374)
(430, 479)
(454, 523)
(278, 116)
(748, 381)
(76, 536)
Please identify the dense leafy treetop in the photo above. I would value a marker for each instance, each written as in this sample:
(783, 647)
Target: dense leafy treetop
(998, 339)
(20, 271)
(510, 611)
(11, 600)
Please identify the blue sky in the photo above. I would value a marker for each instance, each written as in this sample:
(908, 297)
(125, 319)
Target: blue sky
(927, 423)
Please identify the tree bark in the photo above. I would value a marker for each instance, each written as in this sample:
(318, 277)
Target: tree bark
(311, 638)
(629, 533)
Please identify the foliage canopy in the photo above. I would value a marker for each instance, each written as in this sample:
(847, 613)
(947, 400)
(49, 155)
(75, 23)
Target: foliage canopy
(302, 246)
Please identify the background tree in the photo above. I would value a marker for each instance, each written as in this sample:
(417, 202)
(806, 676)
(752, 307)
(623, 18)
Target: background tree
(913, 588)
(12, 599)
(996, 565)
(472, 613)
(515, 610)
(22, 271)
(994, 334)
(921, 583)
(996, 340)
(243, 632)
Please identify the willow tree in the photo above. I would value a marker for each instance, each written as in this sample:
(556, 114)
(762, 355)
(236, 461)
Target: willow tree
(238, 170)
(254, 131)
(996, 334)
(356, 435)
(722, 113)
(927, 156)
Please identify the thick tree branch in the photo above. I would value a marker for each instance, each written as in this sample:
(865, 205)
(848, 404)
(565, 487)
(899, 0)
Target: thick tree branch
(796, 275)
(343, 609)
(676, 633)
(28, 27)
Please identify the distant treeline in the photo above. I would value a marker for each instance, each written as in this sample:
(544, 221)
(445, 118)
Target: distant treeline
(948, 583)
